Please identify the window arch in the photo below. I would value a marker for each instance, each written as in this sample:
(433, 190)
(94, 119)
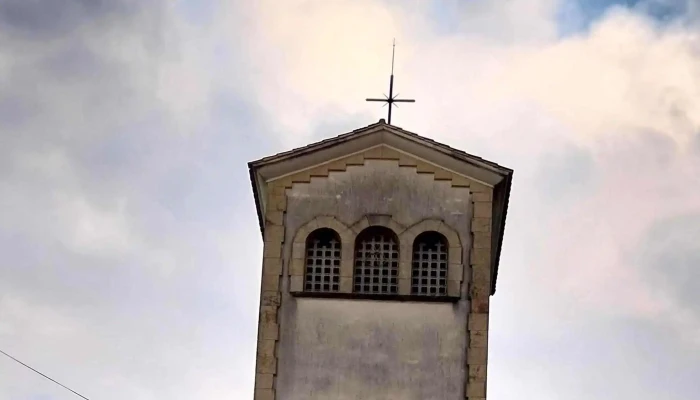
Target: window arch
(323, 255)
(376, 261)
(429, 265)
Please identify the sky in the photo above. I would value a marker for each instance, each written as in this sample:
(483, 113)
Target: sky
(130, 248)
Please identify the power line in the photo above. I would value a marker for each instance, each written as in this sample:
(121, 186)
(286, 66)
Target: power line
(52, 380)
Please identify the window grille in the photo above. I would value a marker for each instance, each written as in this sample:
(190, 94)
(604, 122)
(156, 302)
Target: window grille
(429, 272)
(322, 261)
(376, 261)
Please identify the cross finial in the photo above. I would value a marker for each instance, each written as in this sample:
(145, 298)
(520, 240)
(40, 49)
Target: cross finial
(391, 99)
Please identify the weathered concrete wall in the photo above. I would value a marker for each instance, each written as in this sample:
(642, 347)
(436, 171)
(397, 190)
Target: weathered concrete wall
(379, 187)
(362, 349)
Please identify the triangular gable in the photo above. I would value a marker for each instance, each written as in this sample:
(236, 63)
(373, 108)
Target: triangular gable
(486, 180)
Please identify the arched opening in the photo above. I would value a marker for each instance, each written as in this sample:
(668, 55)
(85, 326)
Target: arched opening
(323, 254)
(376, 261)
(429, 264)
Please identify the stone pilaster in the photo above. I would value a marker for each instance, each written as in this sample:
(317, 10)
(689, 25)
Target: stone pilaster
(268, 324)
(479, 290)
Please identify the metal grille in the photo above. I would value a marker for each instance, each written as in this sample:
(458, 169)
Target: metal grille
(376, 262)
(429, 272)
(322, 261)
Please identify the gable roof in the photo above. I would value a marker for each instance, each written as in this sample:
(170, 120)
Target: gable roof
(477, 168)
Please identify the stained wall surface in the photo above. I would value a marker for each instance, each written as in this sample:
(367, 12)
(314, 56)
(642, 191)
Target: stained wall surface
(362, 349)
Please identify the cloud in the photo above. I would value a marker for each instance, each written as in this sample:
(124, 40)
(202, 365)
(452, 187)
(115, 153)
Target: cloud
(130, 246)
(599, 126)
(668, 255)
(103, 224)
(630, 76)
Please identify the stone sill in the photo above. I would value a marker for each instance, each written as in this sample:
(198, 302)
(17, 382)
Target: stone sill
(385, 297)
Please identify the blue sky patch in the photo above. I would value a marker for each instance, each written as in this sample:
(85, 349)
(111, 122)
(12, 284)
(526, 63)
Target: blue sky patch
(445, 15)
(575, 16)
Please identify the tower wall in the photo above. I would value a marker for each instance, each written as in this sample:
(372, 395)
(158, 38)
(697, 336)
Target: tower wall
(351, 348)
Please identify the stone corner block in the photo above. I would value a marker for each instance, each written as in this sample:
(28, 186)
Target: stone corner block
(431, 225)
(405, 269)
(482, 196)
(278, 202)
(270, 299)
(360, 225)
(442, 175)
(480, 256)
(268, 315)
(337, 165)
(424, 168)
(270, 283)
(382, 220)
(274, 217)
(299, 249)
(301, 177)
(407, 161)
(455, 272)
(326, 221)
(477, 372)
(264, 394)
(477, 356)
(481, 225)
(478, 339)
(266, 362)
(269, 331)
(308, 228)
(480, 305)
(455, 254)
(346, 284)
(296, 283)
(374, 153)
(272, 250)
(481, 275)
(454, 288)
(476, 389)
(404, 286)
(450, 234)
(460, 181)
(481, 240)
(390, 154)
(264, 381)
(478, 322)
(346, 267)
(395, 226)
(297, 267)
(277, 188)
(482, 209)
(318, 172)
(357, 159)
(272, 266)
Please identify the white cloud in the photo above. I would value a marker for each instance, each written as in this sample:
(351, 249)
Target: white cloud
(627, 75)
(512, 100)
(172, 311)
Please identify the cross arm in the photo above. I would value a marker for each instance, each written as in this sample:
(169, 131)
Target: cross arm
(404, 101)
(376, 99)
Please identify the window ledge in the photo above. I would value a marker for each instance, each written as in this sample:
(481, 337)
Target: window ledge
(385, 297)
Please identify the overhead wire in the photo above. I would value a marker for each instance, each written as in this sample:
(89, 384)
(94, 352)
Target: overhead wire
(45, 376)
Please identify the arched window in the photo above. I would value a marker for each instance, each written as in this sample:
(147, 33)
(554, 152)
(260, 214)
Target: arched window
(377, 261)
(429, 271)
(322, 261)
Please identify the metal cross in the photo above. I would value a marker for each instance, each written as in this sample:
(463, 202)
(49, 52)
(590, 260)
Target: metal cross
(391, 99)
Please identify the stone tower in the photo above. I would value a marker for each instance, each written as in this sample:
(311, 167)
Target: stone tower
(381, 253)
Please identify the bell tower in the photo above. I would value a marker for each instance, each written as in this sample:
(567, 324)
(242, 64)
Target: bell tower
(381, 253)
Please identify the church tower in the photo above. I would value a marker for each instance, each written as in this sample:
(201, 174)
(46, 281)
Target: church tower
(381, 253)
